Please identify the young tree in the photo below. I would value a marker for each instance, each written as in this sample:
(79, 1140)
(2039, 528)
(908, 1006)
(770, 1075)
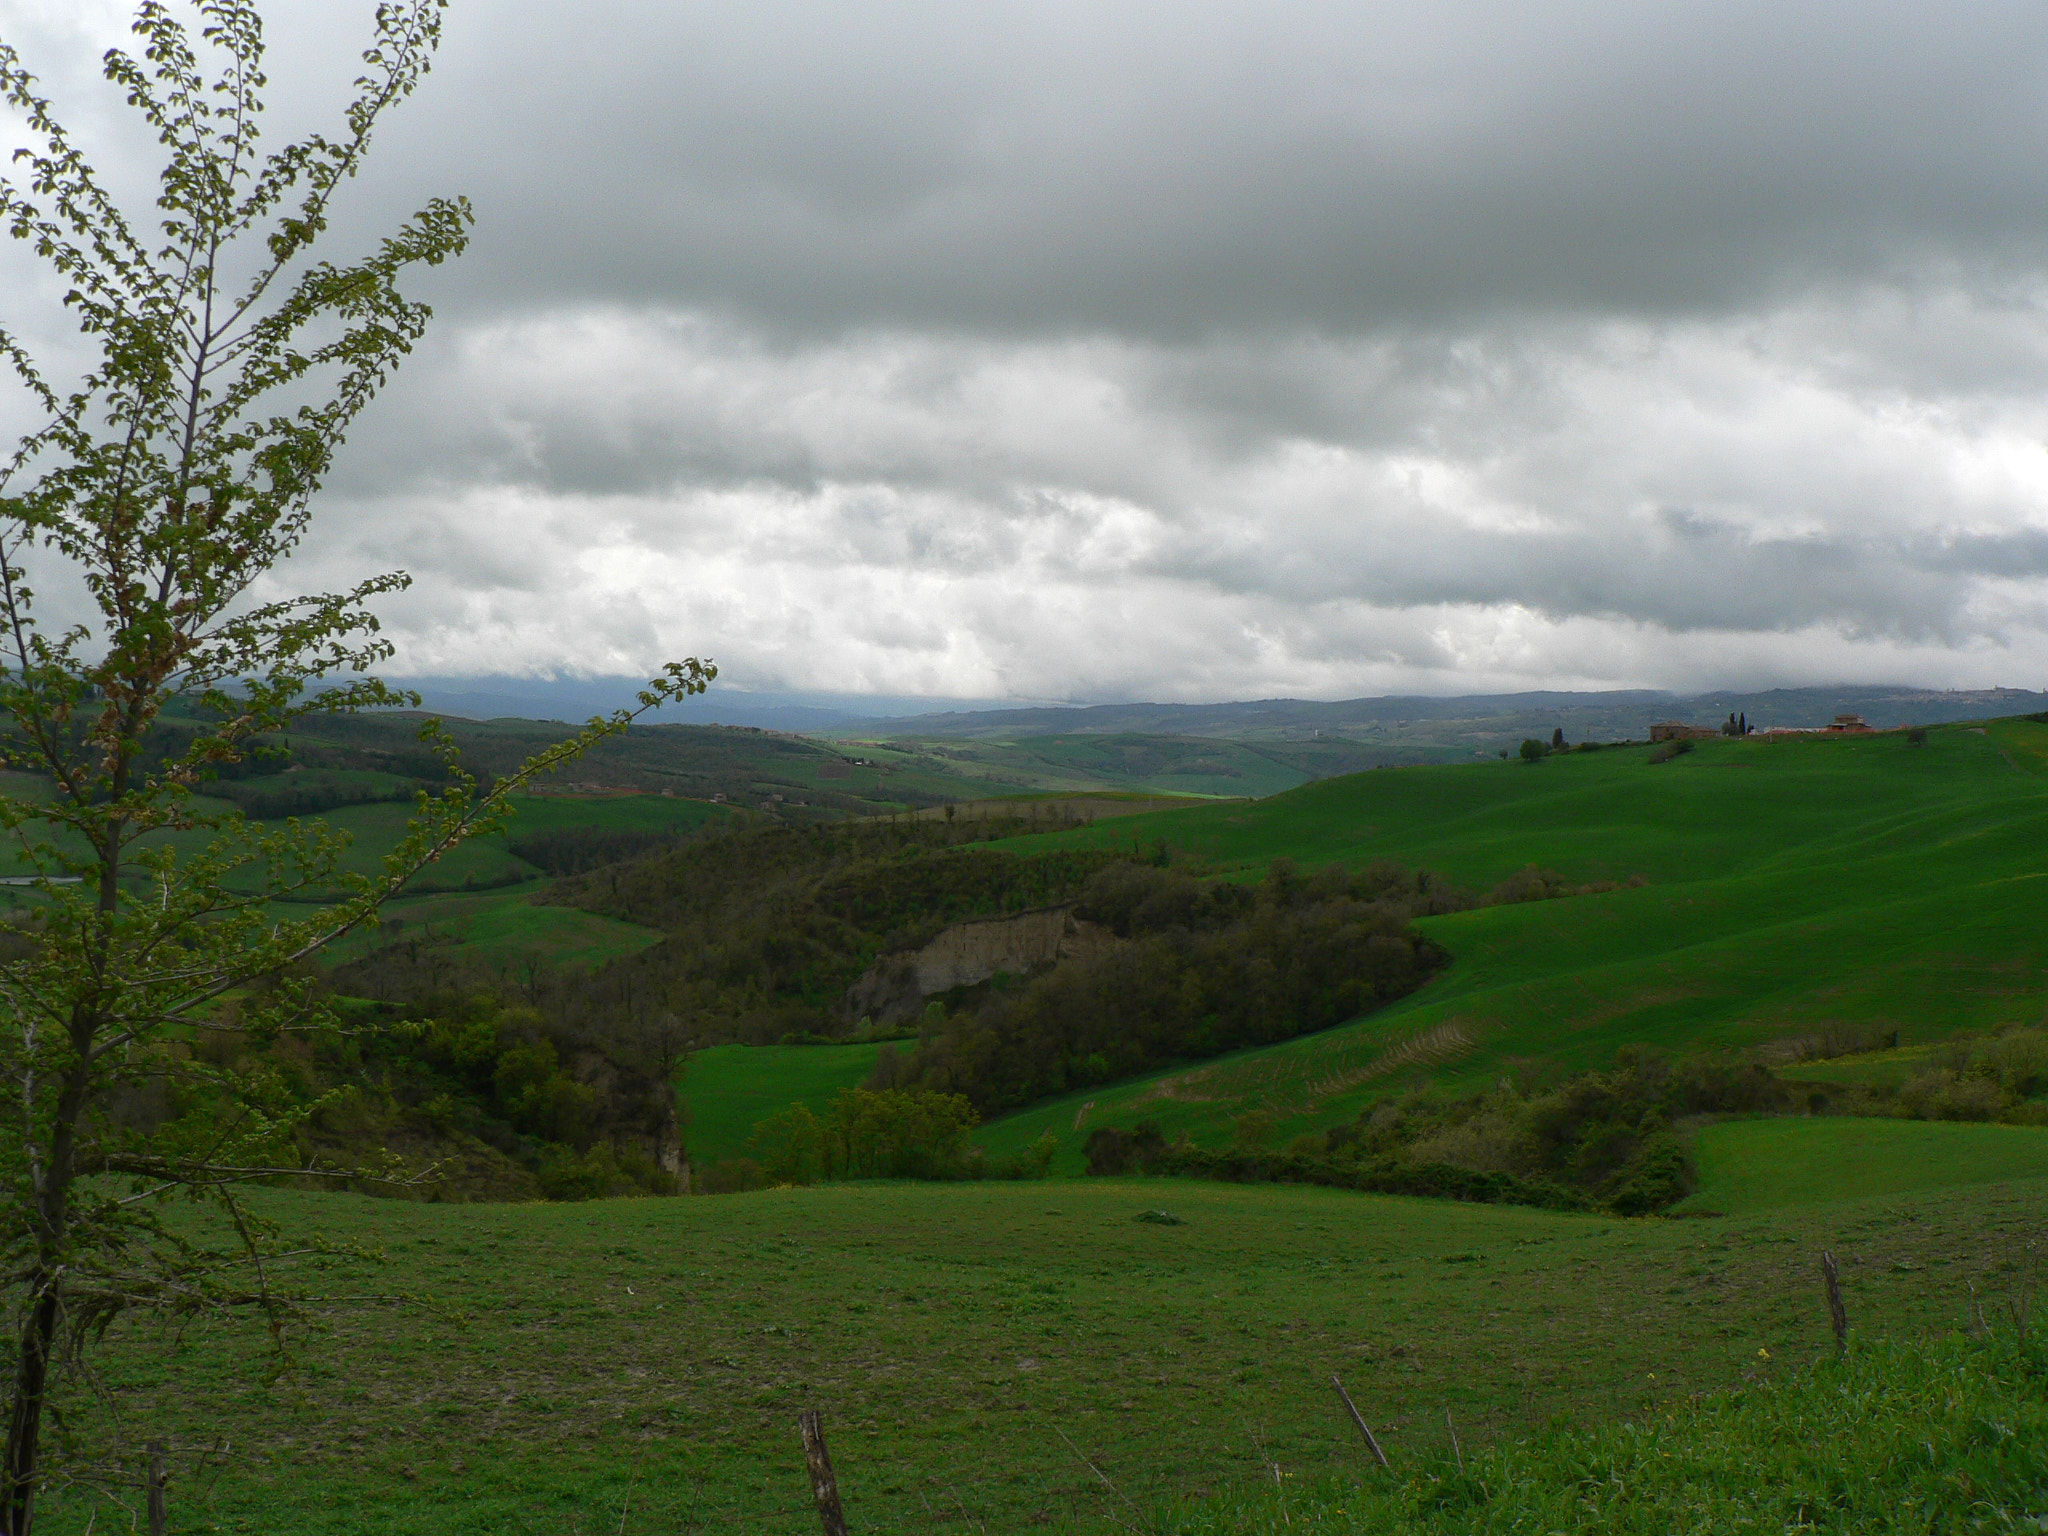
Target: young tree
(162, 489)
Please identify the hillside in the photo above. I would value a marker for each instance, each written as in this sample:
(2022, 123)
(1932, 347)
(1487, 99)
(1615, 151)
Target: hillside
(1433, 729)
(1850, 887)
(637, 1366)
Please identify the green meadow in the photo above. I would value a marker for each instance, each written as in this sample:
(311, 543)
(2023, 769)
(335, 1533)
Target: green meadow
(1761, 1165)
(728, 1089)
(1761, 891)
(635, 1367)
(485, 899)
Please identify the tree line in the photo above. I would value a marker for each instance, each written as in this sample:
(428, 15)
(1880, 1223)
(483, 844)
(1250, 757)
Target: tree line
(1208, 965)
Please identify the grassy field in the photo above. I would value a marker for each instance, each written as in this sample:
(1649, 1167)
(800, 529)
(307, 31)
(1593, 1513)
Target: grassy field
(1849, 884)
(1127, 761)
(635, 1367)
(729, 1088)
(1760, 1165)
(1876, 1069)
(502, 925)
(1898, 1438)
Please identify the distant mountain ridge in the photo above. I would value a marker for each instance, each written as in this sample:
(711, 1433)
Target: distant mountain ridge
(1618, 714)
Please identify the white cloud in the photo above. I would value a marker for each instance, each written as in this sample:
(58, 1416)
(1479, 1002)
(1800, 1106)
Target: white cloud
(1610, 503)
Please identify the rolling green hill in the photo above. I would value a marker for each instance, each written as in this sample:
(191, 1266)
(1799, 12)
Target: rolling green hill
(729, 1089)
(1760, 1165)
(1764, 890)
(1852, 884)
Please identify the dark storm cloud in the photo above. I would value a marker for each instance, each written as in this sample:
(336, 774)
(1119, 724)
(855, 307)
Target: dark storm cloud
(1171, 168)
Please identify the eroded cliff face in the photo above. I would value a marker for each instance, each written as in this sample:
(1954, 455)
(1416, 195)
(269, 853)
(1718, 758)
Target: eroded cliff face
(896, 986)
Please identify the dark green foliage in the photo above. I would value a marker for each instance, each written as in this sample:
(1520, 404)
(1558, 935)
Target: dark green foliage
(1601, 1138)
(1557, 740)
(2003, 1077)
(1665, 751)
(276, 796)
(1533, 751)
(509, 1105)
(1208, 966)
(1380, 1176)
(769, 928)
(575, 850)
(892, 1133)
(1112, 1152)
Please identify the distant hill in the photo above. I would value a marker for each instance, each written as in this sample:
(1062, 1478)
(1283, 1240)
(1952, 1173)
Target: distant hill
(1412, 729)
(578, 698)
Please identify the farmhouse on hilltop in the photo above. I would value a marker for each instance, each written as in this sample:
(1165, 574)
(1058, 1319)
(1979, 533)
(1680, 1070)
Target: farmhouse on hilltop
(1678, 730)
(1842, 725)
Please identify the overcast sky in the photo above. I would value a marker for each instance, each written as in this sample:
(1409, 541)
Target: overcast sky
(1198, 351)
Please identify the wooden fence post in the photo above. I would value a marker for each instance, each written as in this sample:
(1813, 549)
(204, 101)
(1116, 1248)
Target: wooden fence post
(153, 1485)
(1359, 1419)
(824, 1486)
(1838, 1315)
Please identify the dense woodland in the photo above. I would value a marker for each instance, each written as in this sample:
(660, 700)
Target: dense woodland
(767, 928)
(497, 1101)
(328, 761)
(1206, 966)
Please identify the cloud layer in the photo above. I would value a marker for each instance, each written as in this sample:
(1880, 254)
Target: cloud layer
(1078, 351)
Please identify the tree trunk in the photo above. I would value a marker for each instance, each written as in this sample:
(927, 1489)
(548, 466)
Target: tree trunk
(20, 1462)
(25, 1420)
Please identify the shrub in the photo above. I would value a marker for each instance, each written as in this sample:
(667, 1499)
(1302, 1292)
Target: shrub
(1945, 1094)
(1597, 1139)
(1665, 751)
(1533, 751)
(1110, 1151)
(732, 1176)
(892, 1133)
(1492, 1141)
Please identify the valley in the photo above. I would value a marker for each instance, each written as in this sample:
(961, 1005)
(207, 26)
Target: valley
(1855, 918)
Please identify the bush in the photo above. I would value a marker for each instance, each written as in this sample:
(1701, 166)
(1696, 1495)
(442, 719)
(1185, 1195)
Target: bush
(1665, 751)
(1533, 751)
(1944, 1094)
(1110, 1151)
(1382, 1176)
(892, 1133)
(1597, 1140)
(573, 850)
(732, 1176)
